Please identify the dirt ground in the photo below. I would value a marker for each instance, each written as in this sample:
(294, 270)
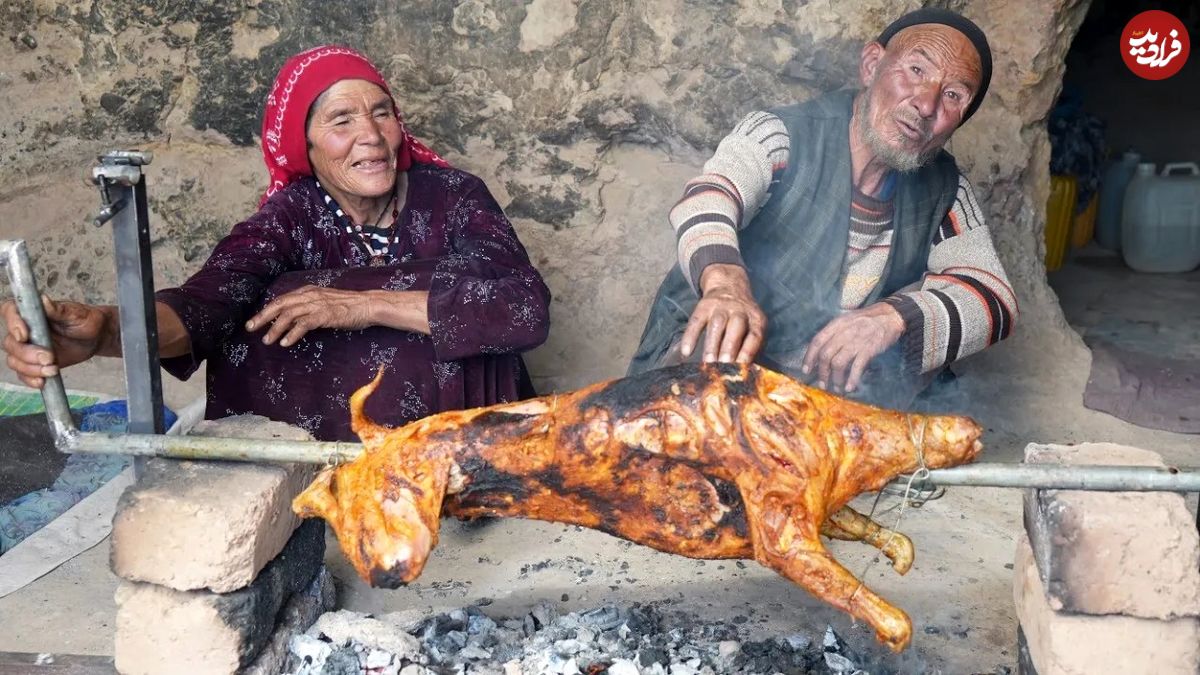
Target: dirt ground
(959, 593)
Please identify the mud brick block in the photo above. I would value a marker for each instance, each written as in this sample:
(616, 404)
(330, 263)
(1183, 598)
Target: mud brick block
(298, 614)
(211, 525)
(1129, 553)
(161, 630)
(1058, 643)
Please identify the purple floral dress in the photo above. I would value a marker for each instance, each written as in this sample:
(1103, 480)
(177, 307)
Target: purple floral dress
(486, 305)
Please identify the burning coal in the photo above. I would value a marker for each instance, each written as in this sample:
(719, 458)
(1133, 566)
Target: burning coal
(637, 640)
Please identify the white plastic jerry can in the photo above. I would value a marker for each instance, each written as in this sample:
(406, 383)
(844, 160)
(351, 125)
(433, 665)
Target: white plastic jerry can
(1112, 199)
(1160, 221)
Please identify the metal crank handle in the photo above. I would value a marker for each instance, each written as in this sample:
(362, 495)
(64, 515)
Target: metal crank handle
(15, 257)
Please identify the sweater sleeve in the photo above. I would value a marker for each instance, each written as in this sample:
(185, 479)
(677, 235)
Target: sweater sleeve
(965, 302)
(736, 183)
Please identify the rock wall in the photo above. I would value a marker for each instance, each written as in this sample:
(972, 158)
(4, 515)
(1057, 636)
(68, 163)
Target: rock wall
(585, 117)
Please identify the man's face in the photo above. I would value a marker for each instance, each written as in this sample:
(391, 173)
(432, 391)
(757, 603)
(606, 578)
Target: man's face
(917, 91)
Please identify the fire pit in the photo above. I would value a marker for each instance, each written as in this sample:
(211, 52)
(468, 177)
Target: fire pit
(646, 639)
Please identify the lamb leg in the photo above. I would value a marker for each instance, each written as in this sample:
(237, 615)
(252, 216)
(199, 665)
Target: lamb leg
(787, 540)
(850, 525)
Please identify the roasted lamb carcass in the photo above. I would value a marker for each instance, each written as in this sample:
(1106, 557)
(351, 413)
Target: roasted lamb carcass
(713, 461)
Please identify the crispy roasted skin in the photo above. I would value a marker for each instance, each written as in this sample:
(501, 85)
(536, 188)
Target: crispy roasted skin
(705, 461)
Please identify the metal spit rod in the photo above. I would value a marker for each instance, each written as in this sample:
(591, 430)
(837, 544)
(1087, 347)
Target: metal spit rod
(1004, 475)
(1068, 477)
(210, 448)
(70, 440)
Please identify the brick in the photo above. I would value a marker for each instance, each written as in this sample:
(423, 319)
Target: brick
(162, 630)
(298, 614)
(1059, 643)
(1129, 553)
(208, 525)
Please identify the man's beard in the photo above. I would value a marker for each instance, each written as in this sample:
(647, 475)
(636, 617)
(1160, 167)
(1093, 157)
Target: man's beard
(905, 161)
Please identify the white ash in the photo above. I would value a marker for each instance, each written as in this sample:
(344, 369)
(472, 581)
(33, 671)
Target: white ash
(637, 640)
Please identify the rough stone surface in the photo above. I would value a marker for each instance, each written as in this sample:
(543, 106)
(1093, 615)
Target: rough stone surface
(1024, 660)
(1073, 644)
(1130, 553)
(297, 615)
(192, 525)
(584, 118)
(160, 630)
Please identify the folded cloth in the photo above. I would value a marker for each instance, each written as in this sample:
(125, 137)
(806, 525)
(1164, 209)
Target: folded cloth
(80, 528)
(1143, 389)
(16, 399)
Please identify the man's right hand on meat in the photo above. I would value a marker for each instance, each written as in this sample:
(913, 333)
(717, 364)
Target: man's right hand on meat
(836, 240)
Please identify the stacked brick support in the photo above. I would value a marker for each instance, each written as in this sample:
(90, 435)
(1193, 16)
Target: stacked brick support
(216, 571)
(1106, 582)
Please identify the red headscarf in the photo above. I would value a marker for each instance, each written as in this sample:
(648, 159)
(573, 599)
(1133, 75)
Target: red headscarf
(301, 80)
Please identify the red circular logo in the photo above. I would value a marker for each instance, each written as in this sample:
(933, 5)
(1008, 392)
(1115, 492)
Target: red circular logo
(1155, 45)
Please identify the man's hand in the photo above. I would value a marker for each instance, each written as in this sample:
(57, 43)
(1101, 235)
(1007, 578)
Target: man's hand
(77, 333)
(293, 314)
(733, 324)
(839, 353)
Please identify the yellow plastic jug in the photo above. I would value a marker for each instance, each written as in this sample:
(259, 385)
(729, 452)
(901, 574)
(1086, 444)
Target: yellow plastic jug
(1085, 223)
(1060, 209)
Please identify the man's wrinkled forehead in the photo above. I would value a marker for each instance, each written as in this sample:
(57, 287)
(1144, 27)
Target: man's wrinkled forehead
(944, 47)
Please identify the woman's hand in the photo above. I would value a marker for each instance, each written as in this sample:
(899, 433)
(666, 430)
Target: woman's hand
(293, 314)
(77, 333)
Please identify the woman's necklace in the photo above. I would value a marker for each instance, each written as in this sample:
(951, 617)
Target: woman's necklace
(380, 257)
(379, 254)
(375, 242)
(384, 210)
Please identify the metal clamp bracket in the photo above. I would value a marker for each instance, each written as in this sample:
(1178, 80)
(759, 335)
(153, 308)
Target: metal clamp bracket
(117, 168)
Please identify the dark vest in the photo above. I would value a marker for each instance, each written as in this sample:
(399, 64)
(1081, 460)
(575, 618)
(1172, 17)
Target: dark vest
(795, 247)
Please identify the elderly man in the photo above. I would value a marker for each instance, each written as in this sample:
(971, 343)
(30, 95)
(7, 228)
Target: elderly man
(836, 240)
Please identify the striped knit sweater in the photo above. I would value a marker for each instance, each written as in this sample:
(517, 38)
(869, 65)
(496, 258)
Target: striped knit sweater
(963, 304)
(868, 247)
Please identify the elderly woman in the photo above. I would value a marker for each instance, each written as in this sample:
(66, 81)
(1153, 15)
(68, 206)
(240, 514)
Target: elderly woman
(368, 250)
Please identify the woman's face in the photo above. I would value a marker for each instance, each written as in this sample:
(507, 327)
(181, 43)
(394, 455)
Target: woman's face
(354, 136)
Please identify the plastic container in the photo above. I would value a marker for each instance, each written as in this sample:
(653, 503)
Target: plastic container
(1060, 209)
(1085, 223)
(1160, 223)
(1112, 200)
